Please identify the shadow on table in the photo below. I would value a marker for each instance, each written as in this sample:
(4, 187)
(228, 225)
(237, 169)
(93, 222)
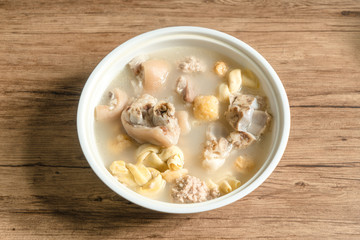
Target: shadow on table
(65, 189)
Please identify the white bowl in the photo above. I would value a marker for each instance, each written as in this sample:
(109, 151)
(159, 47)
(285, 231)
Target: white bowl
(112, 64)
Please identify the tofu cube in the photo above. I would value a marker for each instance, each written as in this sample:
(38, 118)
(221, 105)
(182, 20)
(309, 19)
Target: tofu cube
(206, 108)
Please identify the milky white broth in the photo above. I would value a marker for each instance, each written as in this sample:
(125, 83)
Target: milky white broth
(192, 144)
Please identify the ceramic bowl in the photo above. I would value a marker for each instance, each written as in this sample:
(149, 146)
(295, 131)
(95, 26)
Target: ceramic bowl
(152, 41)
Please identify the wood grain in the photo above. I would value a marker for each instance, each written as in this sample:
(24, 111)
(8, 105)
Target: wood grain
(49, 48)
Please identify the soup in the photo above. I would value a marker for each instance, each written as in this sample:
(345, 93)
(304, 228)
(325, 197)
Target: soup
(183, 125)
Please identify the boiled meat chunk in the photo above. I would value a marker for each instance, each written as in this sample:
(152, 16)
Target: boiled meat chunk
(240, 111)
(135, 63)
(216, 151)
(185, 89)
(241, 139)
(149, 121)
(244, 115)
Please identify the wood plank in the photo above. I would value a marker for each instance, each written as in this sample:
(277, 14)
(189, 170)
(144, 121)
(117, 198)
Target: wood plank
(48, 141)
(78, 60)
(66, 200)
(113, 16)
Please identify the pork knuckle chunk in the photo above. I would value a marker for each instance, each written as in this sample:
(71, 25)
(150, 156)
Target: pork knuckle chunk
(152, 73)
(140, 110)
(136, 64)
(148, 121)
(117, 101)
(163, 112)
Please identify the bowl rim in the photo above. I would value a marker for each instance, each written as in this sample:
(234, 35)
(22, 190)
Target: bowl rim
(193, 207)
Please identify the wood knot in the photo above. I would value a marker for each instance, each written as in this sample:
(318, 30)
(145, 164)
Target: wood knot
(300, 184)
(98, 199)
(154, 236)
(350, 13)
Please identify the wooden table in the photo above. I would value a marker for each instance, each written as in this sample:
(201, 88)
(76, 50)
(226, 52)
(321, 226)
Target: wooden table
(49, 48)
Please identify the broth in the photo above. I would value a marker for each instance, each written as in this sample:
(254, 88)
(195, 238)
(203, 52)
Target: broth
(192, 144)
